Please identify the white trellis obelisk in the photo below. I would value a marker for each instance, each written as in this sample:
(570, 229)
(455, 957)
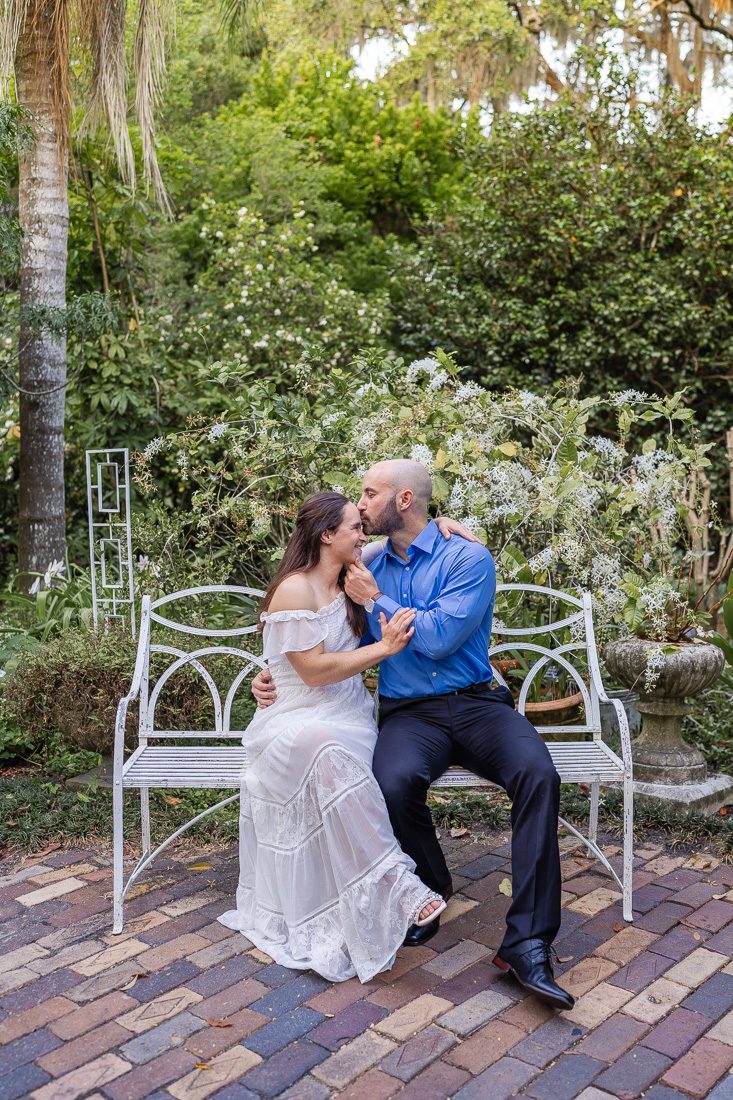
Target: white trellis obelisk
(110, 537)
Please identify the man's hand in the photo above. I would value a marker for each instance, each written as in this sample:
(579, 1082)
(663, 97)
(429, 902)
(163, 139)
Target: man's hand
(263, 688)
(448, 527)
(360, 585)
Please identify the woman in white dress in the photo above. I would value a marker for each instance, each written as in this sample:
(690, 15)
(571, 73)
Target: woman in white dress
(323, 882)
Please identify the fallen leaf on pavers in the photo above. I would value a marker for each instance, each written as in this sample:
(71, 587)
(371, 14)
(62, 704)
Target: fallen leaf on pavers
(203, 866)
(617, 926)
(134, 978)
(218, 1023)
(458, 832)
(505, 887)
(565, 958)
(171, 800)
(700, 862)
(202, 1065)
(38, 856)
(146, 887)
(654, 1000)
(696, 936)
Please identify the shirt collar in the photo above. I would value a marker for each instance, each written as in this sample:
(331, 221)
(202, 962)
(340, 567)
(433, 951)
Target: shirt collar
(425, 541)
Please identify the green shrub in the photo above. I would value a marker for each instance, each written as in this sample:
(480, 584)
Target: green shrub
(72, 685)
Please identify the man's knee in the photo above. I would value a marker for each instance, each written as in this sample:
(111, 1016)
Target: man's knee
(537, 774)
(399, 787)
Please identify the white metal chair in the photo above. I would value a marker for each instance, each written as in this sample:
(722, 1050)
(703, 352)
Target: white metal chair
(589, 762)
(205, 763)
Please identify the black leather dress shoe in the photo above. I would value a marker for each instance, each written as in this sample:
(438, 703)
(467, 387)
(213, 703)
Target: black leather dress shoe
(531, 964)
(416, 935)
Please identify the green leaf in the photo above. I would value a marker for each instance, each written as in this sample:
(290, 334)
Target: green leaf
(508, 449)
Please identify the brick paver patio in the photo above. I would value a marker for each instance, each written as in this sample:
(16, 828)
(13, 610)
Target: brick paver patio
(181, 1007)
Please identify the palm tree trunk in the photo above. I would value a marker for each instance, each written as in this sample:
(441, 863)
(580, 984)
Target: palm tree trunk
(44, 218)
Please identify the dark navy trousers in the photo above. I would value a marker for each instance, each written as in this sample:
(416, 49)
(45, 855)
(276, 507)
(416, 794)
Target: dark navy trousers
(420, 738)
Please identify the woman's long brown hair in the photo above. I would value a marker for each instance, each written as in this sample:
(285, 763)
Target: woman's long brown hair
(319, 513)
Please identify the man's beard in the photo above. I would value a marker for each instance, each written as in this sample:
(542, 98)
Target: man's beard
(387, 522)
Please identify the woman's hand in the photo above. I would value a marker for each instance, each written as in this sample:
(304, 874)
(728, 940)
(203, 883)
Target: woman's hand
(448, 527)
(263, 688)
(397, 632)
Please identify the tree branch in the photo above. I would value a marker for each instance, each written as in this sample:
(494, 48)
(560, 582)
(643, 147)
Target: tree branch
(707, 25)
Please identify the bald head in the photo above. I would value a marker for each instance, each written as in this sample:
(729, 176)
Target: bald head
(403, 473)
(395, 497)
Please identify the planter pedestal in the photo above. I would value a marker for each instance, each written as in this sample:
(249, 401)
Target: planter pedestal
(666, 768)
(660, 754)
(707, 797)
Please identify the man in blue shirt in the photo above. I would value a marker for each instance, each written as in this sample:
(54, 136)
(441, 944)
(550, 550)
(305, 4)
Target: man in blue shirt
(439, 705)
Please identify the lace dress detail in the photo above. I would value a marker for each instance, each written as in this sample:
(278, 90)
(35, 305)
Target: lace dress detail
(323, 883)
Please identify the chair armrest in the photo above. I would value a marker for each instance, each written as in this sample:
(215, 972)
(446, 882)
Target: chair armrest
(141, 662)
(623, 722)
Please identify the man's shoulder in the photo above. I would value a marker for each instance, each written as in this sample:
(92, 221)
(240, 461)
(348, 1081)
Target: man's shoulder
(461, 550)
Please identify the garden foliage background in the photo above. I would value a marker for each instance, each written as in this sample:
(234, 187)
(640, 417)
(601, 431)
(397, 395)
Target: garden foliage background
(326, 233)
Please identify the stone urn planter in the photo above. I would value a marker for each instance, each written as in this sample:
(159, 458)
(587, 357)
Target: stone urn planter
(680, 671)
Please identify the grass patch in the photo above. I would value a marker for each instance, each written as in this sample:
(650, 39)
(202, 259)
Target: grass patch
(37, 810)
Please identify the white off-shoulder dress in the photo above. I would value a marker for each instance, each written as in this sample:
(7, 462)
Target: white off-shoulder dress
(323, 882)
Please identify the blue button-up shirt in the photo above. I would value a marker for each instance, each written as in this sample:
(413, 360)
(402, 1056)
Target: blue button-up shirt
(451, 583)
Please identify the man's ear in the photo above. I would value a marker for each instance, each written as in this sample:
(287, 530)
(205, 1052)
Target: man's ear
(405, 499)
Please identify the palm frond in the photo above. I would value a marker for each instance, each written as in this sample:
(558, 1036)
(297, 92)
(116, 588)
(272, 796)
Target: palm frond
(102, 28)
(154, 24)
(12, 18)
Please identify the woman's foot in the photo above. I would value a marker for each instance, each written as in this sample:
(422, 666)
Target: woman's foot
(426, 912)
(431, 909)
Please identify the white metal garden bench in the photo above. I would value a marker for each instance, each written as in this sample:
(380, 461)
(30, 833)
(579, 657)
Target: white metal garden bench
(203, 762)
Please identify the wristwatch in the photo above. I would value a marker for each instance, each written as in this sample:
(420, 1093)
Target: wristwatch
(369, 604)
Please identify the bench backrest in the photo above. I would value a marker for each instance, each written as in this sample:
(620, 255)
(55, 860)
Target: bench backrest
(172, 615)
(559, 644)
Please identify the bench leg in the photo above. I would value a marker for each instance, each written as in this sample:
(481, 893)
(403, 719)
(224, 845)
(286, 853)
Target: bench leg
(628, 874)
(145, 818)
(118, 858)
(593, 822)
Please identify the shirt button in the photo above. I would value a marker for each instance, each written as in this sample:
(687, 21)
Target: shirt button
(435, 674)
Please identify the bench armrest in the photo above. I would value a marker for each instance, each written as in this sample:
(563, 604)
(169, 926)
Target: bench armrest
(623, 722)
(141, 663)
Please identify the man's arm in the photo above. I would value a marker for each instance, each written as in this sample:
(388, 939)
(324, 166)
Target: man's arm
(457, 612)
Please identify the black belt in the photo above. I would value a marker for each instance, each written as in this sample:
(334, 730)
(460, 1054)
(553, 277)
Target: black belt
(470, 689)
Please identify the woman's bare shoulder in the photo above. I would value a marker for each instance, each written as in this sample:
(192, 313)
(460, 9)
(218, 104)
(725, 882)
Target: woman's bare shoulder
(294, 593)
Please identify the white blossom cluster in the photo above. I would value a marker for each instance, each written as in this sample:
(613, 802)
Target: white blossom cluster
(422, 366)
(629, 397)
(653, 668)
(261, 520)
(609, 451)
(216, 431)
(660, 598)
(154, 447)
(510, 490)
(422, 454)
(467, 391)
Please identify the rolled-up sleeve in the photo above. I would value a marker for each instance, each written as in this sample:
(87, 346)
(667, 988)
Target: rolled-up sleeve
(456, 612)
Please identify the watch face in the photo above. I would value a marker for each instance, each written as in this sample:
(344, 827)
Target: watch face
(369, 606)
